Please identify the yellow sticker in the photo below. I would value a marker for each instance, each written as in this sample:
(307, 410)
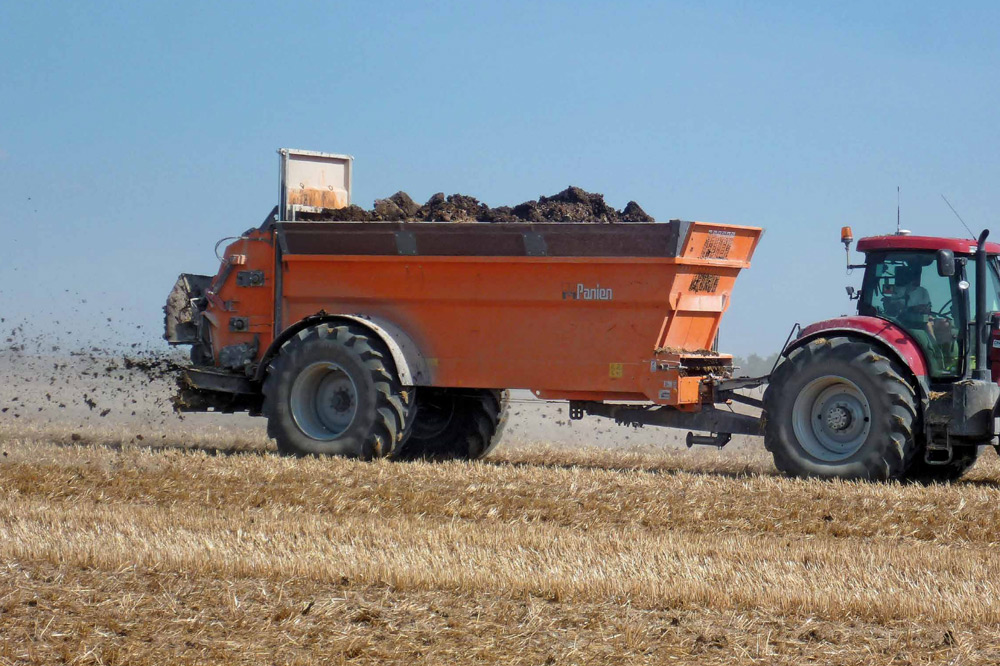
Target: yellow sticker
(616, 370)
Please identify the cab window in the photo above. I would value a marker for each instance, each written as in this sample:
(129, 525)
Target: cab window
(992, 286)
(905, 288)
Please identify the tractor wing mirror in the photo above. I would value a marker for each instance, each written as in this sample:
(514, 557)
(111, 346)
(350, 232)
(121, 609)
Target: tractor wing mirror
(945, 263)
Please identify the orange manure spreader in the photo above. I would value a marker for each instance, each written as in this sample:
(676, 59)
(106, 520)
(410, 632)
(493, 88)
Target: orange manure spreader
(400, 339)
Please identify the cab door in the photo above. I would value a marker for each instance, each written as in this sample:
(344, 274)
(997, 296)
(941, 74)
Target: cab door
(905, 288)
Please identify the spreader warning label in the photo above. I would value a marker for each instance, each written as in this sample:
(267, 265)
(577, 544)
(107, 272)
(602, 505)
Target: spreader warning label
(582, 292)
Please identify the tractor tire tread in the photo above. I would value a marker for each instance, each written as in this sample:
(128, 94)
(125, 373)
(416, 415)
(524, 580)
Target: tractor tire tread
(886, 457)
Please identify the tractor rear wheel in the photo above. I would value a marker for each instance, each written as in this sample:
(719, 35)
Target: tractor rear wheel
(333, 390)
(962, 460)
(461, 424)
(839, 408)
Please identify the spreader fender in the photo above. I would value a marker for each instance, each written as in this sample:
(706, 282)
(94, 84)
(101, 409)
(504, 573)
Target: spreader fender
(411, 365)
(886, 335)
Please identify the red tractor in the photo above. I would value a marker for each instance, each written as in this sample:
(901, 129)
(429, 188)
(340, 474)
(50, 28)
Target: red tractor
(903, 389)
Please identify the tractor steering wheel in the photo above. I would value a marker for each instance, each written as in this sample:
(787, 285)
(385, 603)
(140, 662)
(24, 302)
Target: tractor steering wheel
(941, 311)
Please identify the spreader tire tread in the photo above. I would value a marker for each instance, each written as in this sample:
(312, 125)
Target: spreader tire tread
(383, 406)
(472, 429)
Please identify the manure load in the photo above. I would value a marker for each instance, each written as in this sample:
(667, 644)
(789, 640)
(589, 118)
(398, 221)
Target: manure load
(572, 205)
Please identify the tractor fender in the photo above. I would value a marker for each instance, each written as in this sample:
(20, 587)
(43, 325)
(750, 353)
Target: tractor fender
(412, 366)
(886, 335)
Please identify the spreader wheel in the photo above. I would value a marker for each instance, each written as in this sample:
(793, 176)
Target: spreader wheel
(333, 390)
(838, 407)
(455, 423)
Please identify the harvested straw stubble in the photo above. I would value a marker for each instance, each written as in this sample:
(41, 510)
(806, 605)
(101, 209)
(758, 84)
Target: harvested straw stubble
(146, 617)
(579, 555)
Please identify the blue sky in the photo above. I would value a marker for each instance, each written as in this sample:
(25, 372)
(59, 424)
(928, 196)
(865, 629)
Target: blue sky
(134, 135)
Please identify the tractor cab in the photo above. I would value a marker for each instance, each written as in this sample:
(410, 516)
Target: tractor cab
(927, 287)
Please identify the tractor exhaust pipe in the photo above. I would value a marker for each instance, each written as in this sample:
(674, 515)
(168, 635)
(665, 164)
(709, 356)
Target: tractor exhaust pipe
(982, 333)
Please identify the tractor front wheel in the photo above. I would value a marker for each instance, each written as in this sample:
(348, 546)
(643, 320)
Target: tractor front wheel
(838, 408)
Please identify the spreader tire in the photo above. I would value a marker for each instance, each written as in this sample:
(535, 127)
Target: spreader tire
(333, 390)
(839, 408)
(455, 424)
(962, 460)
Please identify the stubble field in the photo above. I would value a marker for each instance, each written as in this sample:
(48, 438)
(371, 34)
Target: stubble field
(198, 544)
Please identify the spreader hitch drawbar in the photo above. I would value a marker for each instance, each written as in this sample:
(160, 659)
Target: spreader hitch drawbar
(721, 423)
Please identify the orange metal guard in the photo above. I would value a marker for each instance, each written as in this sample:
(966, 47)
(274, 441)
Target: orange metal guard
(570, 311)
